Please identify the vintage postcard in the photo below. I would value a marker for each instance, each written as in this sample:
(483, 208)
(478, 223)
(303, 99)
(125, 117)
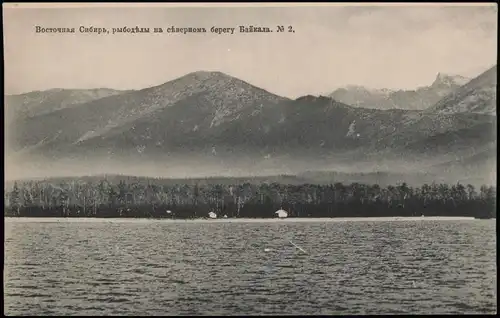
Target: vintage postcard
(250, 159)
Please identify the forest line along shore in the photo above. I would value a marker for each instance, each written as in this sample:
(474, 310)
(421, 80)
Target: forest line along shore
(232, 220)
(147, 199)
(289, 219)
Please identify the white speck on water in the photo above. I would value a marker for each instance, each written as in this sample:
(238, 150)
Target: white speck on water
(298, 247)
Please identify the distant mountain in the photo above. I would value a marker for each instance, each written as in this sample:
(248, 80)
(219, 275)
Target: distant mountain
(213, 117)
(156, 117)
(478, 96)
(44, 102)
(421, 98)
(209, 119)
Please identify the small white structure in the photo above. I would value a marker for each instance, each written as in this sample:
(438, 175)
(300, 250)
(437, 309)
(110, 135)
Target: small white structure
(212, 215)
(169, 212)
(281, 213)
(225, 216)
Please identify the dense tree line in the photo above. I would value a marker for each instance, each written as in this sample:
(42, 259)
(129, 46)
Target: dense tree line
(147, 199)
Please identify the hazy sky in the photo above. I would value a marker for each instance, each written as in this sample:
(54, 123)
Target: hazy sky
(333, 46)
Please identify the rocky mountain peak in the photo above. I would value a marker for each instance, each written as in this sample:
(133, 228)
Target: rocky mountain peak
(443, 79)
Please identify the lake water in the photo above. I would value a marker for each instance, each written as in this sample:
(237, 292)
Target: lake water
(147, 267)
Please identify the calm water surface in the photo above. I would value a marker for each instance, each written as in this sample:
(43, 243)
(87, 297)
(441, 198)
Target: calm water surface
(202, 268)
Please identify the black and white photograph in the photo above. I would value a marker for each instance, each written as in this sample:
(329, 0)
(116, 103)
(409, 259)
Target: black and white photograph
(218, 159)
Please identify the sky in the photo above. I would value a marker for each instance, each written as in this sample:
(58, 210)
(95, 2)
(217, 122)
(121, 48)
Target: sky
(377, 46)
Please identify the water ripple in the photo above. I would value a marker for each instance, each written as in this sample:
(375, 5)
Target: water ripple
(154, 268)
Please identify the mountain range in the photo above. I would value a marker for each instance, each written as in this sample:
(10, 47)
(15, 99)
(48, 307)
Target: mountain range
(211, 118)
(421, 98)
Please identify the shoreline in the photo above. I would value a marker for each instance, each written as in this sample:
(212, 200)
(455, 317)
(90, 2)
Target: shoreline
(233, 220)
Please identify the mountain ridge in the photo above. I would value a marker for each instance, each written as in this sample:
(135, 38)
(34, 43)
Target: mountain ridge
(416, 99)
(36, 103)
(209, 114)
(478, 95)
